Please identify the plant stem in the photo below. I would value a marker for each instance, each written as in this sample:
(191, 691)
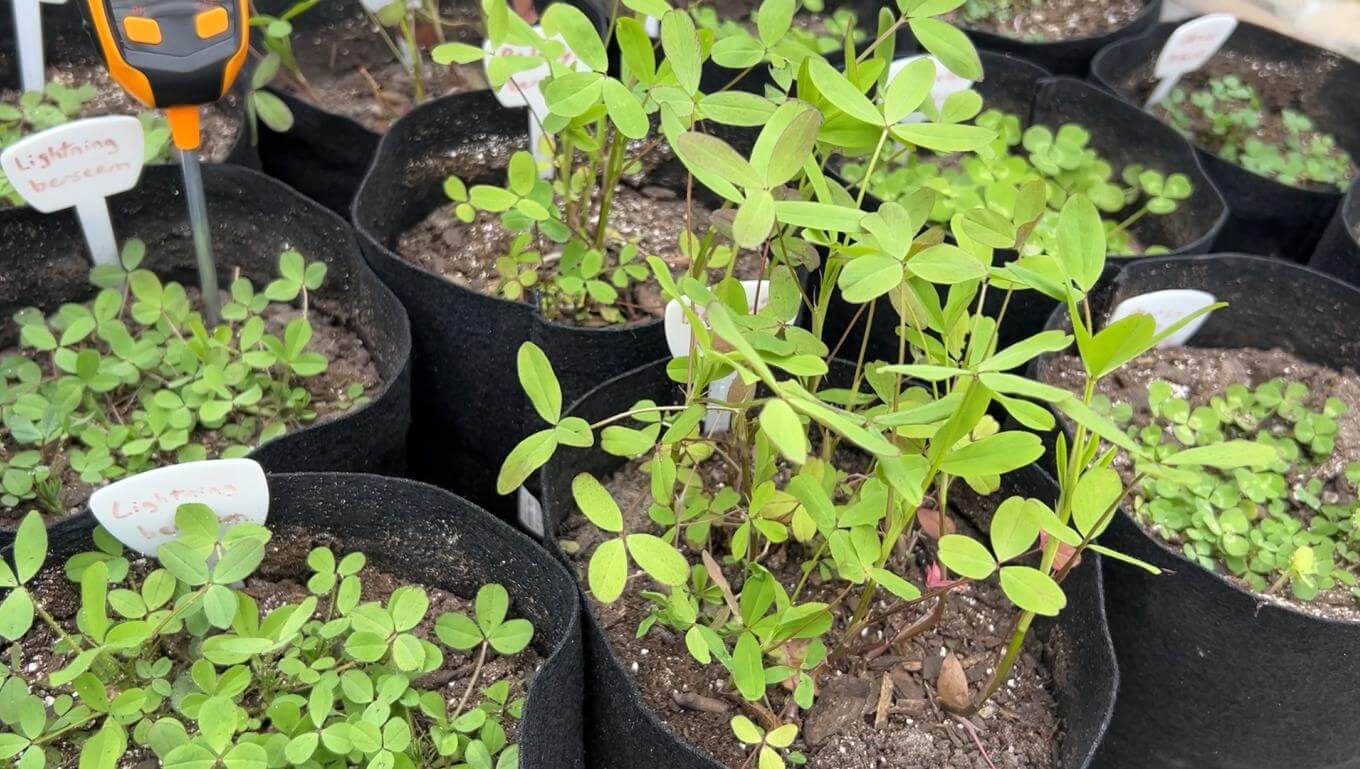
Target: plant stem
(408, 31)
(472, 682)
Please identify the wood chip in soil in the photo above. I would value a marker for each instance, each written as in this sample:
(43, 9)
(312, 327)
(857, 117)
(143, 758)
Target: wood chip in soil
(1198, 373)
(1039, 21)
(350, 359)
(1019, 726)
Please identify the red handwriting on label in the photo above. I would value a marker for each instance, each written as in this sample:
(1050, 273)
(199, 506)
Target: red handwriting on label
(54, 156)
(170, 498)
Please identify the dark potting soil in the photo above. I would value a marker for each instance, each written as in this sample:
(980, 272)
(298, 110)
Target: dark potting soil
(351, 362)
(221, 120)
(281, 579)
(350, 70)
(1054, 20)
(1198, 373)
(879, 707)
(1279, 86)
(649, 215)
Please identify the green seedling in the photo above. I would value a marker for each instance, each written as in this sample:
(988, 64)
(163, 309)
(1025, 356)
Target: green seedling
(1227, 117)
(824, 35)
(1062, 160)
(330, 681)
(1273, 525)
(57, 105)
(133, 380)
(723, 506)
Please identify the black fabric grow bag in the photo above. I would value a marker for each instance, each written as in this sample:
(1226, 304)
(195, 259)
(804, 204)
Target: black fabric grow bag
(66, 43)
(1065, 57)
(621, 733)
(43, 263)
(325, 155)
(1268, 217)
(466, 391)
(427, 536)
(1338, 253)
(1122, 134)
(1212, 678)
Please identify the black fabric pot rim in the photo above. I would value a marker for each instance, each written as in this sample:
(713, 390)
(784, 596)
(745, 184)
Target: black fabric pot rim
(559, 652)
(1151, 10)
(1100, 73)
(359, 215)
(700, 758)
(378, 319)
(1072, 55)
(1247, 599)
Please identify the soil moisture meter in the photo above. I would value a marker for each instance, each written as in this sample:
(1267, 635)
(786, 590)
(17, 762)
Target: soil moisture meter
(177, 55)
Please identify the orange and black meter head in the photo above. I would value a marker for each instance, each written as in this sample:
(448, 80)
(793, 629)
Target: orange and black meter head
(172, 54)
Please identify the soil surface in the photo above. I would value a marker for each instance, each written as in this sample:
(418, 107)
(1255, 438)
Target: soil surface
(879, 705)
(350, 362)
(222, 121)
(650, 215)
(1039, 21)
(1198, 373)
(1278, 85)
(351, 71)
(281, 579)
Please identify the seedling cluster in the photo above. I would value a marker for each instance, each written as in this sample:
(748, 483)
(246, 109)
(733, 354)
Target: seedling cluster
(991, 178)
(178, 662)
(850, 481)
(1277, 524)
(133, 380)
(1227, 116)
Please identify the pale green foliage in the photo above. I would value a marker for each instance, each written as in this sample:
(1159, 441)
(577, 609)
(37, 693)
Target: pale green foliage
(132, 380)
(1062, 160)
(919, 422)
(328, 682)
(1253, 521)
(1227, 116)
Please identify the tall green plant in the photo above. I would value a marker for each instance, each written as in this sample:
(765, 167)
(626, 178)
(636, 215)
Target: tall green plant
(921, 418)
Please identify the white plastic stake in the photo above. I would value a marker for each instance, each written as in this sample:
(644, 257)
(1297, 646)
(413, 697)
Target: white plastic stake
(78, 165)
(530, 512)
(679, 336)
(1187, 49)
(140, 510)
(28, 32)
(1166, 308)
(652, 25)
(524, 89)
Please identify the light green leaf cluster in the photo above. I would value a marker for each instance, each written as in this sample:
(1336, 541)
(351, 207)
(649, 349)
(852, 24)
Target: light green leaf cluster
(133, 379)
(328, 682)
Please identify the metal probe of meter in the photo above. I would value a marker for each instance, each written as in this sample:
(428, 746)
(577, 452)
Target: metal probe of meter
(177, 55)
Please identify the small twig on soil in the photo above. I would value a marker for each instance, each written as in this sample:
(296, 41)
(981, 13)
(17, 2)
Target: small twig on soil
(977, 739)
(377, 93)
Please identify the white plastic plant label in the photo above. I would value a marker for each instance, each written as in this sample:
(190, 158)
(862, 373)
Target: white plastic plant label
(525, 89)
(78, 165)
(1166, 308)
(1188, 48)
(29, 40)
(679, 336)
(652, 25)
(946, 83)
(530, 512)
(140, 510)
